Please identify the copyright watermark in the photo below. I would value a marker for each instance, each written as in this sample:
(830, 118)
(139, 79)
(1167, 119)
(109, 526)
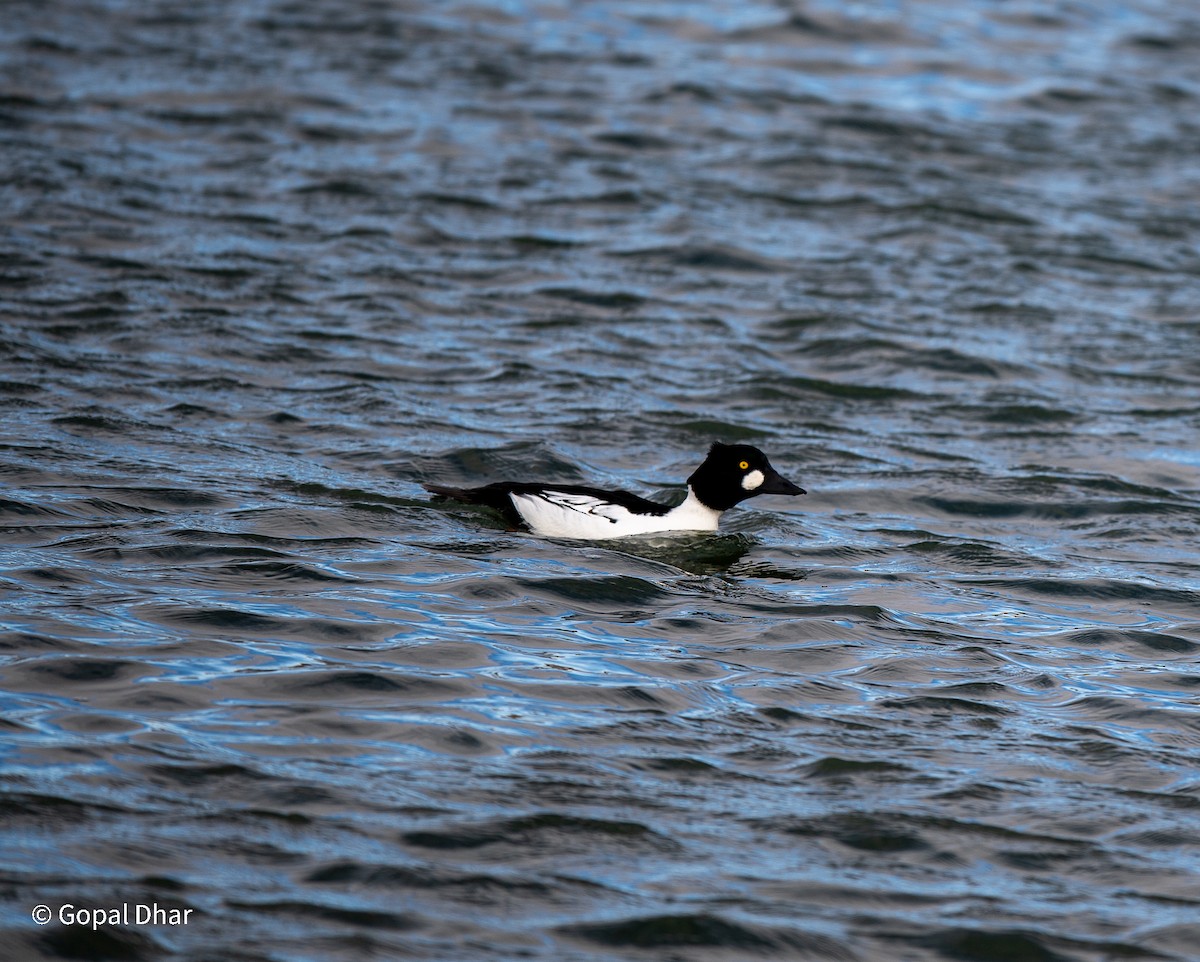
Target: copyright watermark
(127, 913)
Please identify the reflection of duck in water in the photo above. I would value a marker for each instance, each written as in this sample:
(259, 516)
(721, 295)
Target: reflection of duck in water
(730, 474)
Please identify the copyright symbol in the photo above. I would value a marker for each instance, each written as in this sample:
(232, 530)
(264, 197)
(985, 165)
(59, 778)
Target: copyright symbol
(42, 914)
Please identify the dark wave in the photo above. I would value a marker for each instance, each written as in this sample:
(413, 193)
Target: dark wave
(704, 931)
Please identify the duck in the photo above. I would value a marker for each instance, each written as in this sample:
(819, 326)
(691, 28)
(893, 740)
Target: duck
(729, 475)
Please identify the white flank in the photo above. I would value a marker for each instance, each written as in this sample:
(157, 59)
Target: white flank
(753, 480)
(556, 514)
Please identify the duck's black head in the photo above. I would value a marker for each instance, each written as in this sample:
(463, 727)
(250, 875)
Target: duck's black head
(735, 472)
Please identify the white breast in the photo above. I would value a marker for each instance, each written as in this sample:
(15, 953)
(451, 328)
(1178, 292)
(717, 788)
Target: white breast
(557, 514)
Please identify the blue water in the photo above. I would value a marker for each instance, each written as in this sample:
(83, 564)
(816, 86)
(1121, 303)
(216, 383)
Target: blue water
(267, 268)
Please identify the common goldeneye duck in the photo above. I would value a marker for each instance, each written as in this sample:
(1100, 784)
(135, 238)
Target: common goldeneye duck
(730, 474)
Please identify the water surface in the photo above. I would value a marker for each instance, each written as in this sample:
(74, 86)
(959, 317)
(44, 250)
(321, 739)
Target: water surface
(267, 267)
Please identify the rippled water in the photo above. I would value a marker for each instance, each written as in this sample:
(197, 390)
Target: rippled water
(265, 267)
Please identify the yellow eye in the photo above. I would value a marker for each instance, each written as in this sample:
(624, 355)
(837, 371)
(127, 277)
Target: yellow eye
(743, 465)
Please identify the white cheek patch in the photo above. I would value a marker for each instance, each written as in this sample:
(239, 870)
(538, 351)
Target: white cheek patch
(753, 480)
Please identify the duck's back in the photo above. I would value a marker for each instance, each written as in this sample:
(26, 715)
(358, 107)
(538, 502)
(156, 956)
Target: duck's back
(570, 510)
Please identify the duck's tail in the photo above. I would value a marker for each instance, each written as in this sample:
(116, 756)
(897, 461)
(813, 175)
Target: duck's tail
(446, 491)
